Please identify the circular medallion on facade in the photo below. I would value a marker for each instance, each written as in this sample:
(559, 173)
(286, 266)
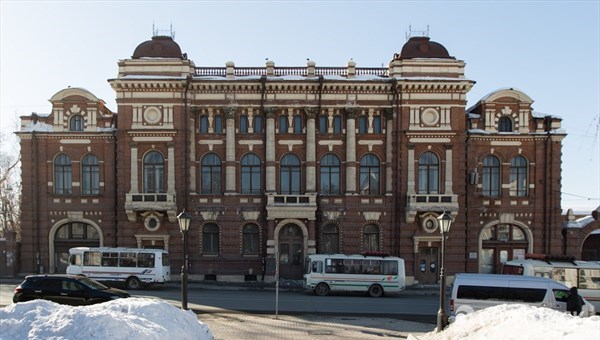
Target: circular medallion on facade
(152, 115)
(430, 224)
(152, 222)
(430, 116)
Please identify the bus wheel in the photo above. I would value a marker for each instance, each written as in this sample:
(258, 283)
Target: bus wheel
(133, 283)
(375, 291)
(322, 289)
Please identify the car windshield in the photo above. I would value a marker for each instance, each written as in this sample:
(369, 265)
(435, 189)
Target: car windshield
(92, 284)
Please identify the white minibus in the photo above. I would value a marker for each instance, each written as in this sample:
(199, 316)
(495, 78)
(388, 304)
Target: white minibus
(472, 292)
(585, 275)
(375, 275)
(135, 267)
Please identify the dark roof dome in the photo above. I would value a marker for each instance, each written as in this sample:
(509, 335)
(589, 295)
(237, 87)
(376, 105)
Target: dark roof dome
(158, 47)
(422, 47)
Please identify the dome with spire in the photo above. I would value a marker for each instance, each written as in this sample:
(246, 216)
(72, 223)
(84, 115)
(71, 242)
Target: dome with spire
(422, 47)
(158, 47)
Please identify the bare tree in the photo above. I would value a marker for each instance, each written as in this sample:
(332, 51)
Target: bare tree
(10, 189)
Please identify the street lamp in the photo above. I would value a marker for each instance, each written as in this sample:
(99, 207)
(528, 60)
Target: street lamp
(184, 225)
(444, 221)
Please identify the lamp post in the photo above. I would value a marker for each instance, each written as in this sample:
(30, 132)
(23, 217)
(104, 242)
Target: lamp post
(444, 221)
(184, 224)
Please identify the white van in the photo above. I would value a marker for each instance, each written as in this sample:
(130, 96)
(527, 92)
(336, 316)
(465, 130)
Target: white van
(472, 292)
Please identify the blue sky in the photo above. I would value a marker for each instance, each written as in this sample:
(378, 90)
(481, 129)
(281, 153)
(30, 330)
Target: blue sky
(547, 49)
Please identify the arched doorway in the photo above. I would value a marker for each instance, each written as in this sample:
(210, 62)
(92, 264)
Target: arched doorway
(291, 252)
(501, 243)
(590, 251)
(69, 235)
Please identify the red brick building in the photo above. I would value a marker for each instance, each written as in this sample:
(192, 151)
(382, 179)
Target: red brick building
(292, 161)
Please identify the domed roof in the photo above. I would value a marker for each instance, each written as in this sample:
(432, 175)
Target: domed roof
(422, 47)
(158, 47)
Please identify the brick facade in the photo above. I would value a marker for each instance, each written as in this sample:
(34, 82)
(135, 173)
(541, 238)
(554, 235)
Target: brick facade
(370, 158)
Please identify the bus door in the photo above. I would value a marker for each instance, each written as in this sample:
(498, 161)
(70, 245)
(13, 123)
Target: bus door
(291, 257)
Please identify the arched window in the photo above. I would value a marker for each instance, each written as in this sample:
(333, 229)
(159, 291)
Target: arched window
(491, 176)
(330, 243)
(210, 239)
(371, 238)
(505, 124)
(154, 172)
(250, 241)
(369, 175)
(69, 235)
(429, 174)
(76, 123)
(518, 176)
(63, 182)
(250, 174)
(210, 174)
(289, 175)
(90, 175)
(501, 243)
(244, 124)
(329, 183)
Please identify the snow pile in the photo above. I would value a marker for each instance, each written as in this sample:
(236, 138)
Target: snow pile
(516, 321)
(133, 318)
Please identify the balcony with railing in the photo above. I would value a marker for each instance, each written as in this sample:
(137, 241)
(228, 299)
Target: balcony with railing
(141, 202)
(291, 206)
(290, 71)
(430, 202)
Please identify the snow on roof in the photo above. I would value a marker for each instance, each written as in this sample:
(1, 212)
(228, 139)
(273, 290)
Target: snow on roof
(37, 127)
(579, 223)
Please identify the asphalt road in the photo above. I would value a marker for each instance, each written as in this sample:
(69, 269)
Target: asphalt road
(222, 299)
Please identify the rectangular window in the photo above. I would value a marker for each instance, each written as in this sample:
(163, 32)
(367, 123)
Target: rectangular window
(218, 121)
(257, 122)
(283, 124)
(204, 124)
(145, 260)
(243, 124)
(337, 124)
(297, 124)
(363, 124)
(323, 124)
(377, 124)
(92, 258)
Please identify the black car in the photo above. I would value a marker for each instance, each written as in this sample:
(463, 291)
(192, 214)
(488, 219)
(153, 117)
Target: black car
(71, 290)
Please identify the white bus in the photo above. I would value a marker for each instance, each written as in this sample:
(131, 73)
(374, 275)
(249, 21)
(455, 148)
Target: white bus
(585, 275)
(337, 272)
(135, 267)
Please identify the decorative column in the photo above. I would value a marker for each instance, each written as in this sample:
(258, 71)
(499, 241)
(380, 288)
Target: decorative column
(448, 181)
(134, 168)
(410, 172)
(171, 169)
(230, 179)
(270, 150)
(389, 148)
(311, 173)
(350, 150)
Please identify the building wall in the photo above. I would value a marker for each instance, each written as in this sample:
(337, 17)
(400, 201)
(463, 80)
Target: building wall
(420, 102)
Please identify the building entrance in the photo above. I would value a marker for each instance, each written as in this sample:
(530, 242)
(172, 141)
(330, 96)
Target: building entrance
(291, 259)
(428, 269)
